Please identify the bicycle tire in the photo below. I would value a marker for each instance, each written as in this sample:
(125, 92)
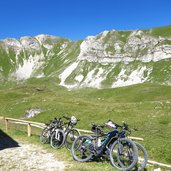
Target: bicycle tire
(142, 157)
(57, 139)
(117, 151)
(71, 135)
(82, 148)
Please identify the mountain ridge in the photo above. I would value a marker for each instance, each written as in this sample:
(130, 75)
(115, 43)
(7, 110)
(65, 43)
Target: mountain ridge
(109, 59)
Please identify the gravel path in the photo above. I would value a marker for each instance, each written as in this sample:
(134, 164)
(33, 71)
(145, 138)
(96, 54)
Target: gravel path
(28, 157)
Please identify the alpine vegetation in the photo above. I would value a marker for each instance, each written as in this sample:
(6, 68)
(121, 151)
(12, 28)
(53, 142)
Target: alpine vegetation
(107, 60)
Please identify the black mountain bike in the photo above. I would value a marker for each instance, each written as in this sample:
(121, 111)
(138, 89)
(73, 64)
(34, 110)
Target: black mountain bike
(49, 129)
(142, 153)
(65, 134)
(122, 152)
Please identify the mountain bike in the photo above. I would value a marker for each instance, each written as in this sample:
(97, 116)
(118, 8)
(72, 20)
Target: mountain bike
(65, 134)
(142, 153)
(122, 152)
(47, 131)
(71, 133)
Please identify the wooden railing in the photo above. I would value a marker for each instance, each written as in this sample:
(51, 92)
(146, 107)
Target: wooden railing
(31, 124)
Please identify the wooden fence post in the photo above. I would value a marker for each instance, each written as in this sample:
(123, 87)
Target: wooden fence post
(29, 129)
(6, 124)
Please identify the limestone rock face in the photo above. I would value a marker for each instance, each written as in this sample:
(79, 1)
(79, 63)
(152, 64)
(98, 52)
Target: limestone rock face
(109, 59)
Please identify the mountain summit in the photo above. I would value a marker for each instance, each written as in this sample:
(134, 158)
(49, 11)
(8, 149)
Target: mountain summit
(109, 59)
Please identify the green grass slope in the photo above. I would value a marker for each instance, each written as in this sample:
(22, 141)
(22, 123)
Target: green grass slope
(146, 107)
(162, 31)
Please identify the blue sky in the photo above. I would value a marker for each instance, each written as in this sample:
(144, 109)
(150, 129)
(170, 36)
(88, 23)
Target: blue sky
(76, 19)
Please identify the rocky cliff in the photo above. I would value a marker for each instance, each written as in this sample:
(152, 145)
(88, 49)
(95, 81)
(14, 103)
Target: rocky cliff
(109, 59)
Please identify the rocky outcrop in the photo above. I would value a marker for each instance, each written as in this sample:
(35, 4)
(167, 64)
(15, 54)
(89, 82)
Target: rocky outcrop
(109, 59)
(139, 46)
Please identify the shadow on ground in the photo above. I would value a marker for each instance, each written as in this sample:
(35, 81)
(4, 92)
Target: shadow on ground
(6, 141)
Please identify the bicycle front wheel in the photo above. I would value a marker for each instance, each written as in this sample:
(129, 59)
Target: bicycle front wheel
(123, 154)
(57, 139)
(71, 135)
(82, 148)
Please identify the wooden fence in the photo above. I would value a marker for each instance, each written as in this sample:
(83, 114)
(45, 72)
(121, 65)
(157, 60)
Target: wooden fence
(31, 124)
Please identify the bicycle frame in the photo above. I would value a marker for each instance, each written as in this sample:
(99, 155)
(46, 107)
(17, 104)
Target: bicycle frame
(109, 138)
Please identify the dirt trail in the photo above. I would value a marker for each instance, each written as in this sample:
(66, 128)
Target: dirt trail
(28, 157)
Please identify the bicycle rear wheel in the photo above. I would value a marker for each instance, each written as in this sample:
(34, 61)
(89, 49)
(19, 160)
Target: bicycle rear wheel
(57, 139)
(142, 157)
(71, 135)
(123, 154)
(82, 148)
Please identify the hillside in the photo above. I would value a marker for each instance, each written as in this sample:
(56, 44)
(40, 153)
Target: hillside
(107, 60)
(145, 107)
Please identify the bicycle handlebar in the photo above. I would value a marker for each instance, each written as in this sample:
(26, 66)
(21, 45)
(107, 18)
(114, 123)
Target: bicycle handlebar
(66, 117)
(98, 125)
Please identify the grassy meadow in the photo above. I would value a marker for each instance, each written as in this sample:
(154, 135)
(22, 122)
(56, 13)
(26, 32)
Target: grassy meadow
(146, 107)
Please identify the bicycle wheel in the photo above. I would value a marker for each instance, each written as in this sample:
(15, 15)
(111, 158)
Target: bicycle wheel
(82, 148)
(142, 157)
(57, 139)
(71, 135)
(44, 135)
(123, 154)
